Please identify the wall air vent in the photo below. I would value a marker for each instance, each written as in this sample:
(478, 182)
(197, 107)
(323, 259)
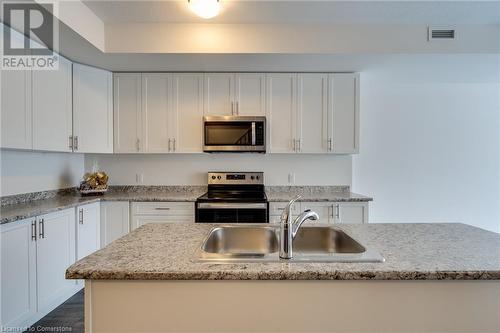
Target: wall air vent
(441, 34)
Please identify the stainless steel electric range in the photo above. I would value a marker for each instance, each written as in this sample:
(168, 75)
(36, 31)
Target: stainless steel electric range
(233, 197)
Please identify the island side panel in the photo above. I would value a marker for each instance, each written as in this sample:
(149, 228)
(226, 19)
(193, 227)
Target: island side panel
(292, 306)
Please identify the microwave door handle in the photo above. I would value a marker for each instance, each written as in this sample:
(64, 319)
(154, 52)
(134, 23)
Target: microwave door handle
(253, 133)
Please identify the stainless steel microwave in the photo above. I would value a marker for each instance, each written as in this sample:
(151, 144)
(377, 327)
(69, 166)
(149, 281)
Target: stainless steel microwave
(234, 134)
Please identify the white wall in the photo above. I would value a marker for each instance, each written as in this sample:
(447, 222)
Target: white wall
(191, 169)
(430, 141)
(24, 172)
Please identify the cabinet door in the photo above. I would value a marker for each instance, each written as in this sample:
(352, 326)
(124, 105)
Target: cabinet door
(187, 113)
(351, 212)
(219, 94)
(250, 94)
(127, 127)
(88, 229)
(18, 273)
(343, 113)
(55, 252)
(325, 210)
(92, 109)
(281, 112)
(155, 113)
(52, 107)
(312, 122)
(114, 221)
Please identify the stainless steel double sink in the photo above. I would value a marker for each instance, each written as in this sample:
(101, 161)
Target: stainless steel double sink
(257, 243)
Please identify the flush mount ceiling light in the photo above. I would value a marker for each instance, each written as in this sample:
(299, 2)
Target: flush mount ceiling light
(205, 8)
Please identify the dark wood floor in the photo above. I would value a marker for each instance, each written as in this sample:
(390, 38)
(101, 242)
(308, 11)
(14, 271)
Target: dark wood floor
(67, 317)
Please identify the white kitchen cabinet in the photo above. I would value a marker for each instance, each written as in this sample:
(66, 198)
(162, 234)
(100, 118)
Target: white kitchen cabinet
(186, 127)
(92, 110)
(127, 129)
(350, 212)
(115, 221)
(312, 107)
(18, 273)
(250, 94)
(156, 104)
(343, 113)
(55, 251)
(161, 212)
(281, 112)
(16, 111)
(329, 212)
(52, 108)
(88, 229)
(219, 94)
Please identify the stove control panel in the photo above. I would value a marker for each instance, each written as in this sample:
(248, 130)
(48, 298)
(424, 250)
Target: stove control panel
(237, 178)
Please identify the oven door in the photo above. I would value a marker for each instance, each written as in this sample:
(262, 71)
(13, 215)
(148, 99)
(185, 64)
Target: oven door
(222, 212)
(234, 134)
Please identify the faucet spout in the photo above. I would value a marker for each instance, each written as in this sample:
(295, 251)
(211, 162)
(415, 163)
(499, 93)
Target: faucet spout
(306, 215)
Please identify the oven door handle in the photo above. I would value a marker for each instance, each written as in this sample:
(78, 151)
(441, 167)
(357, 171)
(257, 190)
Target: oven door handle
(253, 133)
(220, 205)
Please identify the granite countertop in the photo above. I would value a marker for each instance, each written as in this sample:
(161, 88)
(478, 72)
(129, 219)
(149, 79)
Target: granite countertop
(412, 252)
(39, 203)
(24, 210)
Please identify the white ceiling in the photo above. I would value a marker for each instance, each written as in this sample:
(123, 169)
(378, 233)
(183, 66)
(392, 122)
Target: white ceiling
(333, 12)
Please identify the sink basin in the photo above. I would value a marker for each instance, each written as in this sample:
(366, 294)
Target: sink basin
(241, 241)
(257, 243)
(320, 240)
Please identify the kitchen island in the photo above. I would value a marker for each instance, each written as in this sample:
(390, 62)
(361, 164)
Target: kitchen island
(435, 278)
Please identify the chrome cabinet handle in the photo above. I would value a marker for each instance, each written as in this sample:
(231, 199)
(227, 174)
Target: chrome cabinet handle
(337, 211)
(294, 142)
(174, 144)
(80, 218)
(232, 108)
(41, 225)
(137, 144)
(75, 144)
(298, 145)
(169, 149)
(330, 145)
(162, 208)
(237, 108)
(33, 230)
(70, 144)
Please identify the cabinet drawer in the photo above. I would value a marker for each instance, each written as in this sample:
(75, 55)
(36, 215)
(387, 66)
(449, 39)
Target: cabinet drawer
(276, 208)
(139, 220)
(163, 208)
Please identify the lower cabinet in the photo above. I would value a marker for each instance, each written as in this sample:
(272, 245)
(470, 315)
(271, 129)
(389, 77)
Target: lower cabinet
(161, 212)
(329, 212)
(35, 254)
(115, 221)
(18, 273)
(88, 229)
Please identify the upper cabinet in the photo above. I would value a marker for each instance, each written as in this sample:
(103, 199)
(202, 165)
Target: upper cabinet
(92, 110)
(52, 109)
(158, 113)
(343, 113)
(241, 94)
(127, 113)
(313, 113)
(16, 115)
(187, 113)
(281, 112)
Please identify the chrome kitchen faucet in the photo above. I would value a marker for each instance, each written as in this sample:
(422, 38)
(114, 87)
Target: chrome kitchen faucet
(289, 229)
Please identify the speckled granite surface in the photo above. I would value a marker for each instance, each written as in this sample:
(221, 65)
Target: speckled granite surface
(24, 210)
(314, 193)
(412, 252)
(28, 205)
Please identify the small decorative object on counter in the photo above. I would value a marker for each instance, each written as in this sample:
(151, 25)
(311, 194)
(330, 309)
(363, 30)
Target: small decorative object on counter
(95, 183)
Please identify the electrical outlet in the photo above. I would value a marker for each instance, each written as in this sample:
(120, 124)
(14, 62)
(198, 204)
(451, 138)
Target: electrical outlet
(139, 178)
(291, 178)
